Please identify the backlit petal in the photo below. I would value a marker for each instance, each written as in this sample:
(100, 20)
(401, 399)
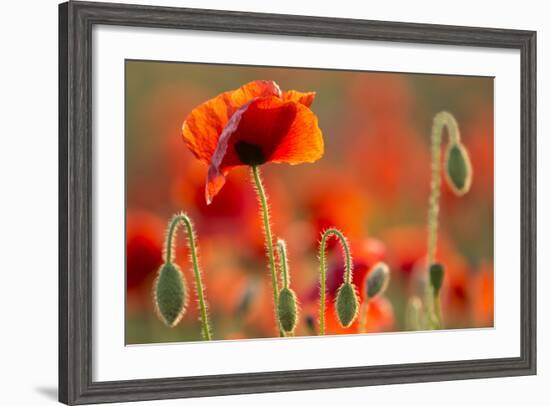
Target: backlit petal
(204, 125)
(282, 132)
(257, 88)
(303, 141)
(299, 97)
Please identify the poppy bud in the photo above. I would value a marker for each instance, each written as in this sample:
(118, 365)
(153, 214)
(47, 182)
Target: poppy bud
(378, 280)
(458, 168)
(170, 294)
(287, 310)
(347, 304)
(436, 277)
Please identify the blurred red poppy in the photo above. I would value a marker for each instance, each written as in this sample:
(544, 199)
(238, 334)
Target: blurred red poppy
(334, 199)
(252, 125)
(381, 131)
(144, 234)
(406, 247)
(483, 296)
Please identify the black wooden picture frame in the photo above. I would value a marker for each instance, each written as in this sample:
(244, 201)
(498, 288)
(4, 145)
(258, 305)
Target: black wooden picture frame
(76, 20)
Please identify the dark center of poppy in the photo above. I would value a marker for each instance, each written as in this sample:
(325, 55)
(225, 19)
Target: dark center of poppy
(249, 154)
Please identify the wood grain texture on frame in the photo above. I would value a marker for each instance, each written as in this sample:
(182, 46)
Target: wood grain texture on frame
(76, 20)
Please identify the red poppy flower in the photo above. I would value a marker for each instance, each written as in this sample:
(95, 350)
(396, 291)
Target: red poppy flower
(252, 125)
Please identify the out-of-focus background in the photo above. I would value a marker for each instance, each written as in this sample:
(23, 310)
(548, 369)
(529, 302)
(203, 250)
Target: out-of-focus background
(372, 183)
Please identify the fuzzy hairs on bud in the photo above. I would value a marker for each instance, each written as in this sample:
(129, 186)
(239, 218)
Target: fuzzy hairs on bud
(287, 310)
(170, 294)
(347, 304)
(458, 168)
(378, 279)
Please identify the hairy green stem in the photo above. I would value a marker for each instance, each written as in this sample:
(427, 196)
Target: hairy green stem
(441, 120)
(323, 272)
(438, 320)
(178, 219)
(260, 190)
(413, 314)
(283, 262)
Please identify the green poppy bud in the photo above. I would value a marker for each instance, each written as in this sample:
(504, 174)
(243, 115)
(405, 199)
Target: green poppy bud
(287, 310)
(378, 279)
(347, 304)
(436, 277)
(458, 168)
(170, 294)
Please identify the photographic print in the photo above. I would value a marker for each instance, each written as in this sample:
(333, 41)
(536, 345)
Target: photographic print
(343, 187)
(274, 202)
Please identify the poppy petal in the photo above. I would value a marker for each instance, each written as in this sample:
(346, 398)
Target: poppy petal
(303, 142)
(257, 88)
(266, 129)
(216, 174)
(204, 125)
(299, 97)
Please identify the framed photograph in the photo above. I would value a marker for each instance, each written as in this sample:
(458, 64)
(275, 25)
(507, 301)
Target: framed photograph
(260, 202)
